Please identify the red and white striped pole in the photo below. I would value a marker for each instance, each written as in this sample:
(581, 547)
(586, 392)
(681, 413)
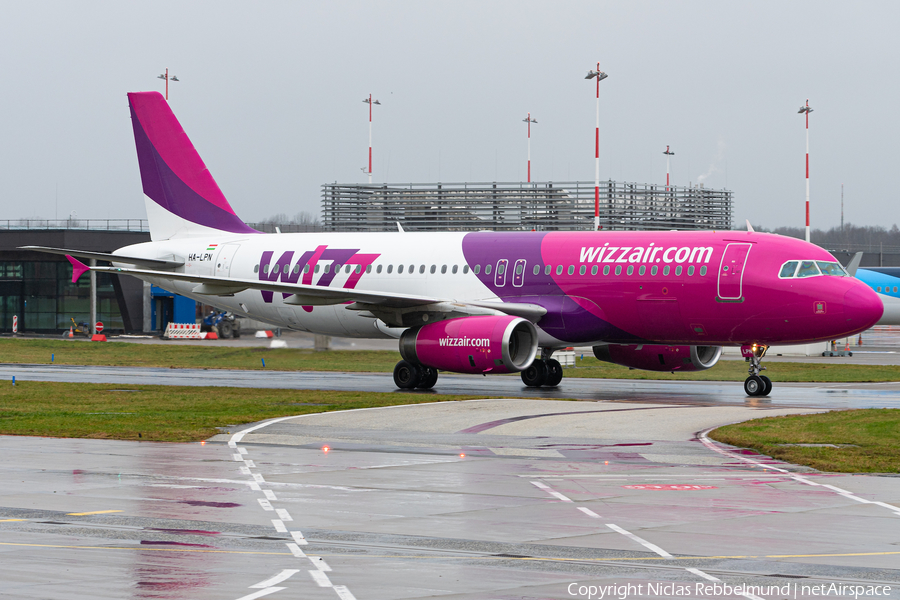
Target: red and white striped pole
(806, 109)
(600, 75)
(370, 102)
(668, 153)
(529, 120)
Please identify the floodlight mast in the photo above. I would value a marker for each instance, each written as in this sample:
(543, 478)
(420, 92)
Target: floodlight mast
(167, 78)
(370, 102)
(668, 153)
(600, 76)
(529, 120)
(806, 110)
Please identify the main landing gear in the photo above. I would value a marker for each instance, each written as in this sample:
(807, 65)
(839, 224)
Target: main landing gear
(756, 384)
(543, 371)
(408, 375)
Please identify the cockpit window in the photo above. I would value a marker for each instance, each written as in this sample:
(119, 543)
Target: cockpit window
(808, 268)
(832, 268)
(788, 269)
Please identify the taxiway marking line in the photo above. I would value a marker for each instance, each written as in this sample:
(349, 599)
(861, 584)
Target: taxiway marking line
(432, 556)
(94, 512)
(551, 491)
(588, 512)
(10, 520)
(261, 593)
(706, 441)
(343, 593)
(639, 540)
(275, 580)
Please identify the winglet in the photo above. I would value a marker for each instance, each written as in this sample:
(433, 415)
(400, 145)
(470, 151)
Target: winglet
(78, 268)
(749, 226)
(400, 227)
(854, 264)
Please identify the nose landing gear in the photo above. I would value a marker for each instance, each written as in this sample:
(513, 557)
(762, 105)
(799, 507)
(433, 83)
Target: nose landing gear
(543, 371)
(756, 384)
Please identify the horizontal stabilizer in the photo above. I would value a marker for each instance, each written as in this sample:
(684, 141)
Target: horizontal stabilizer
(150, 263)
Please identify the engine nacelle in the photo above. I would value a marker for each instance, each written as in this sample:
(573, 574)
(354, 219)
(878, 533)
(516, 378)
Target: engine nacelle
(651, 357)
(478, 344)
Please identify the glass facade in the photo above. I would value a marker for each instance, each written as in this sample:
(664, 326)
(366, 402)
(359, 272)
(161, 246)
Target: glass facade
(43, 296)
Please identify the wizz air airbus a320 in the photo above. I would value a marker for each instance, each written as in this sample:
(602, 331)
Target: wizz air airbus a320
(485, 302)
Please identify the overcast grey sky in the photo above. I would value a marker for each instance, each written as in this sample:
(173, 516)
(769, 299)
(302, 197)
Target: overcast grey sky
(271, 94)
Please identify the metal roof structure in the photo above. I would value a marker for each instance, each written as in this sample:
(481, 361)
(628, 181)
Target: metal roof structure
(520, 206)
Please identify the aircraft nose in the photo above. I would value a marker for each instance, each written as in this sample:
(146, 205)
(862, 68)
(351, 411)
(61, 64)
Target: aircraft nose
(862, 307)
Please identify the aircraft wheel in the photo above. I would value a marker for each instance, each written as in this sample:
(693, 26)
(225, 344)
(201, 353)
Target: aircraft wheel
(429, 378)
(754, 386)
(768, 385)
(407, 375)
(535, 374)
(554, 372)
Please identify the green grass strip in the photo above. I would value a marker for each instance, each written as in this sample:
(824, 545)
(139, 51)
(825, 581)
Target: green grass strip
(858, 441)
(167, 413)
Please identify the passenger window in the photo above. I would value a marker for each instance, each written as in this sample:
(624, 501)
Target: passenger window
(519, 268)
(328, 268)
(368, 268)
(703, 270)
(444, 270)
(317, 268)
(256, 269)
(642, 270)
(537, 269)
(454, 269)
(399, 268)
(348, 268)
(465, 269)
(547, 270)
(421, 269)
(296, 268)
(359, 269)
(501, 268)
(337, 269)
(690, 270)
(582, 270)
(265, 269)
(788, 269)
(434, 268)
(477, 269)
(606, 270)
(487, 269)
(630, 269)
(678, 271)
(879, 289)
(594, 270)
(666, 271)
(306, 269)
(618, 269)
(654, 269)
(895, 289)
(559, 269)
(807, 269)
(389, 269)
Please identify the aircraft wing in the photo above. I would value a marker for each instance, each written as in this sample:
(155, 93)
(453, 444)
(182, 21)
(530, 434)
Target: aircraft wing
(313, 295)
(149, 263)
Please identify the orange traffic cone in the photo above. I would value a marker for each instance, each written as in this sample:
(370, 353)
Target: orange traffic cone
(71, 333)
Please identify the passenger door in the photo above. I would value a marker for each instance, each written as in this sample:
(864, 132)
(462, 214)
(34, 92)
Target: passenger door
(731, 272)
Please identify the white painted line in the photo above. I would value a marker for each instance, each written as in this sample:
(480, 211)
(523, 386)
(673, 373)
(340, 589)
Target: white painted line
(242, 450)
(283, 514)
(704, 438)
(270, 495)
(245, 470)
(588, 512)
(702, 574)
(258, 478)
(550, 491)
(254, 486)
(641, 541)
(298, 537)
(279, 526)
(265, 504)
(319, 563)
(237, 457)
(320, 578)
(232, 445)
(296, 551)
(250, 464)
(285, 574)
(343, 593)
(261, 593)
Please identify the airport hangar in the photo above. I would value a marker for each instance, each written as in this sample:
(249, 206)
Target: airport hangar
(38, 289)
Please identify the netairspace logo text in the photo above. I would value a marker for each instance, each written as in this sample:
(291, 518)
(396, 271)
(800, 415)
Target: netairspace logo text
(625, 591)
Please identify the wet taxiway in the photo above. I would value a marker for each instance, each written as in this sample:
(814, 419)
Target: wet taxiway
(698, 393)
(484, 499)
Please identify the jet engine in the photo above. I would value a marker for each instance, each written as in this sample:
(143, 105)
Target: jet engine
(478, 344)
(651, 357)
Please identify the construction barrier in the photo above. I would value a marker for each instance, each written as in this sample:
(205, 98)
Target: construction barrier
(183, 331)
